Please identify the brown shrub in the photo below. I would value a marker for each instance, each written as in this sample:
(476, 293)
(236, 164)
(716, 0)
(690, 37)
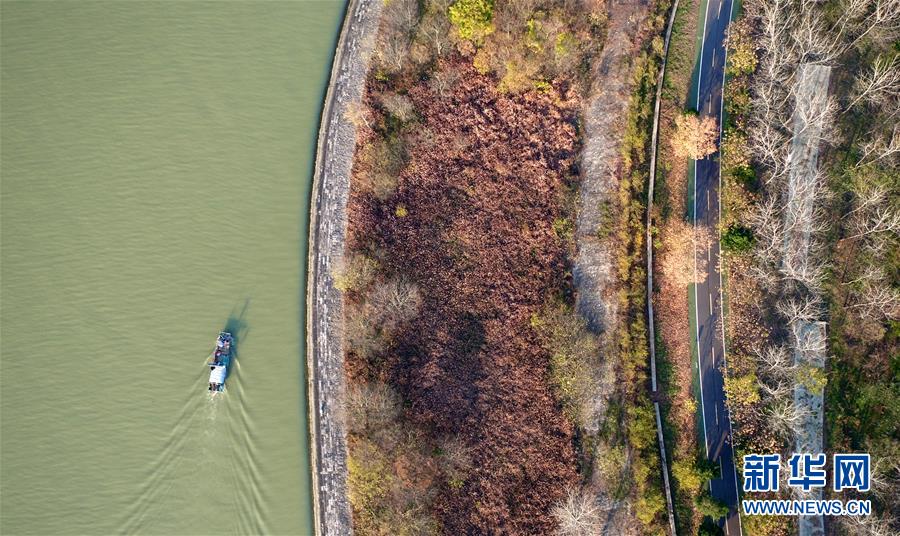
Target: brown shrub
(468, 364)
(378, 164)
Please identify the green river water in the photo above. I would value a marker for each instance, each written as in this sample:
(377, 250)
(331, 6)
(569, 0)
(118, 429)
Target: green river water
(156, 160)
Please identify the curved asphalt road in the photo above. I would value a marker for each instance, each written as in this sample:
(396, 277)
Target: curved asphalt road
(710, 335)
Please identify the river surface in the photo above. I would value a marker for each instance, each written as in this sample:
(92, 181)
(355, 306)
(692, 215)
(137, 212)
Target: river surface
(156, 165)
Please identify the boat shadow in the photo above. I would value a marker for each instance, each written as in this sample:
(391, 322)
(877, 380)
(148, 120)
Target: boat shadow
(237, 325)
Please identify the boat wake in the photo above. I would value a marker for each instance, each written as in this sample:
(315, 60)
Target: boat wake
(210, 440)
(162, 476)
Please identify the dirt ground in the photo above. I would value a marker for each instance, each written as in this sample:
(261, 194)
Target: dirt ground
(605, 115)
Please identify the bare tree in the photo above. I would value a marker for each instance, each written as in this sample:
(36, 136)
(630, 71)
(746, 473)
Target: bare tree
(361, 335)
(434, 30)
(802, 308)
(880, 84)
(870, 525)
(880, 18)
(808, 341)
(775, 389)
(886, 477)
(357, 114)
(866, 197)
(392, 51)
(878, 148)
(813, 114)
(370, 406)
(877, 301)
(395, 301)
(402, 15)
(805, 220)
(443, 81)
(875, 220)
(399, 106)
(870, 274)
(355, 271)
(379, 164)
(769, 144)
(798, 32)
(777, 372)
(768, 227)
(785, 417)
(578, 514)
(880, 219)
(455, 459)
(800, 273)
(398, 20)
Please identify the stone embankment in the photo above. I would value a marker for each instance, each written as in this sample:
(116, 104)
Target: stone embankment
(327, 232)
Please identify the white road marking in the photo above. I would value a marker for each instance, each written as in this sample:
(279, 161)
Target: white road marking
(696, 311)
(737, 512)
(707, 200)
(717, 414)
(697, 319)
(710, 304)
(719, 12)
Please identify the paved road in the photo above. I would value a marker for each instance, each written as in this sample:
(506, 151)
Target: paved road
(716, 422)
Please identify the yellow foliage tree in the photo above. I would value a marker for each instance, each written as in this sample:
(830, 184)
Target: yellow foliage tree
(677, 261)
(742, 390)
(472, 19)
(741, 52)
(695, 136)
(355, 272)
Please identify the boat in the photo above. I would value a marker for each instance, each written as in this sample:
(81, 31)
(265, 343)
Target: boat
(218, 369)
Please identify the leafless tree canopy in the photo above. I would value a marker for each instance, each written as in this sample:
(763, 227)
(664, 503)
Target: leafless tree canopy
(578, 514)
(370, 406)
(455, 459)
(399, 106)
(398, 20)
(786, 417)
(395, 301)
(869, 525)
(809, 242)
(879, 85)
(442, 82)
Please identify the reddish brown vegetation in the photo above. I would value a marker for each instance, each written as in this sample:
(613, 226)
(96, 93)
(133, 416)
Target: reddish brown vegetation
(671, 300)
(484, 181)
(671, 311)
(747, 329)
